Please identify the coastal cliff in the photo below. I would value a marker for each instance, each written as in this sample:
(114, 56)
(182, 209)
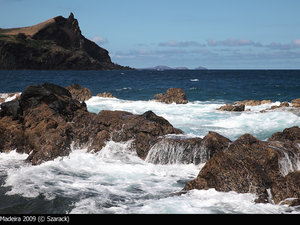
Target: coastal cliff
(56, 44)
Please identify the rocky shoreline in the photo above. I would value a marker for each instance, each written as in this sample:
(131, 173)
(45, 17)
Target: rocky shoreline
(46, 120)
(239, 106)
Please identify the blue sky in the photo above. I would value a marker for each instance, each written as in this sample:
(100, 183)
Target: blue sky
(217, 34)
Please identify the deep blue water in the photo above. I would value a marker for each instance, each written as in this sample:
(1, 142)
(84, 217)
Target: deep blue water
(206, 85)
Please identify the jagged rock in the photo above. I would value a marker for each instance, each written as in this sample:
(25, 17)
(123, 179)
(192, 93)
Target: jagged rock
(275, 107)
(56, 44)
(296, 102)
(215, 142)
(46, 120)
(38, 122)
(252, 102)
(173, 95)
(11, 108)
(283, 104)
(79, 93)
(248, 102)
(288, 134)
(232, 108)
(266, 102)
(251, 165)
(144, 129)
(106, 95)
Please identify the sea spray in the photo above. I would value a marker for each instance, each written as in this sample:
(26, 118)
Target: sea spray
(199, 117)
(290, 160)
(172, 150)
(116, 180)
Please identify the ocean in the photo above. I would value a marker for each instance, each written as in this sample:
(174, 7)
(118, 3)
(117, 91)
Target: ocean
(115, 180)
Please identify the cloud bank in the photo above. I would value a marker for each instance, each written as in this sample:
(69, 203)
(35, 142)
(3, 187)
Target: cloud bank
(212, 53)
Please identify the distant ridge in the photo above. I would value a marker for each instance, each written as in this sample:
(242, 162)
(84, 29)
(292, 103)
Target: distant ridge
(162, 68)
(55, 44)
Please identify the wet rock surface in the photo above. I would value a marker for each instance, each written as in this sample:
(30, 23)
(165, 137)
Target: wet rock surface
(232, 107)
(255, 166)
(46, 120)
(177, 149)
(173, 95)
(79, 93)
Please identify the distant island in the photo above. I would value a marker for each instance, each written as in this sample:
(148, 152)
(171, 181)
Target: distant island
(55, 44)
(163, 68)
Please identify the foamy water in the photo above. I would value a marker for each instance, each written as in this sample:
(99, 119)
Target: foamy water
(199, 117)
(116, 180)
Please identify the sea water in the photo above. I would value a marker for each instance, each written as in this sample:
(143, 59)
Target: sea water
(116, 180)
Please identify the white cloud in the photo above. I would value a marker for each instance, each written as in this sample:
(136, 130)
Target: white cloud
(292, 45)
(296, 42)
(180, 44)
(99, 40)
(233, 42)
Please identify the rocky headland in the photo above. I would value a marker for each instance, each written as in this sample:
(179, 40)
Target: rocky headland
(55, 44)
(47, 120)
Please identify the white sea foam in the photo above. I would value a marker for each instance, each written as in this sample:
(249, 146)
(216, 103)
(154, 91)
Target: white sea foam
(8, 96)
(11, 160)
(200, 117)
(115, 180)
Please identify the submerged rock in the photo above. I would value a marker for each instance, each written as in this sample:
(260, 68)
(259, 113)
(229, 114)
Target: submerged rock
(173, 95)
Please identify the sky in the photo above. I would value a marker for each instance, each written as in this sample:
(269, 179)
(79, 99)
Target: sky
(216, 34)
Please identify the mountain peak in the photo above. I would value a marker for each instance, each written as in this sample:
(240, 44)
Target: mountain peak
(71, 17)
(56, 43)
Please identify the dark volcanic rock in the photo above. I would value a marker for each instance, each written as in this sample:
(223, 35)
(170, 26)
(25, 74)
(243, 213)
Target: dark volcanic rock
(56, 44)
(251, 165)
(46, 120)
(173, 95)
(215, 142)
(233, 108)
(288, 134)
(11, 108)
(143, 129)
(79, 93)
